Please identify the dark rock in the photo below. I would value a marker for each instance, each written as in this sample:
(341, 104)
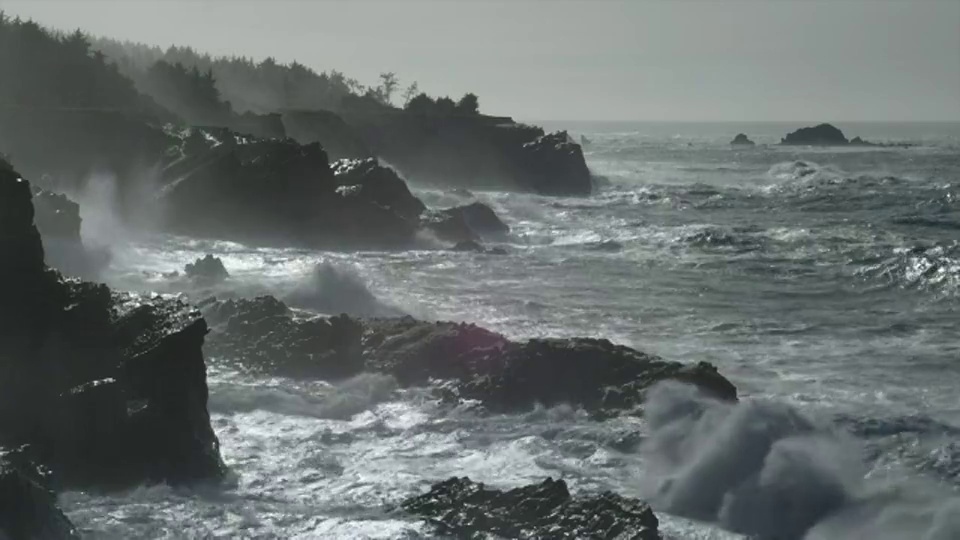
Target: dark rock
(584, 141)
(597, 375)
(108, 389)
(280, 192)
(820, 135)
(555, 165)
(742, 138)
(207, 269)
(28, 508)
(467, 509)
(472, 222)
(379, 185)
(857, 141)
(474, 151)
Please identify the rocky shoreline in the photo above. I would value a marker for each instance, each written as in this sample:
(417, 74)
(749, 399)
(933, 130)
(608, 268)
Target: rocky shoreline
(105, 390)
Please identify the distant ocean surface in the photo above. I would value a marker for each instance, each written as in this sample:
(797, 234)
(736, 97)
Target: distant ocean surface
(824, 282)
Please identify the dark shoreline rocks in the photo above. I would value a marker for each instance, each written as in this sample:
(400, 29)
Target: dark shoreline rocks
(465, 509)
(263, 335)
(474, 151)
(742, 140)
(469, 223)
(107, 389)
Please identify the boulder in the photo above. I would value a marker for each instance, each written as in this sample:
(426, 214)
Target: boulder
(108, 389)
(462, 508)
(469, 246)
(28, 508)
(605, 379)
(379, 185)
(742, 139)
(553, 164)
(820, 135)
(471, 222)
(207, 269)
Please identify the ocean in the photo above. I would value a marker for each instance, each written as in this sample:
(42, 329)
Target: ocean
(823, 282)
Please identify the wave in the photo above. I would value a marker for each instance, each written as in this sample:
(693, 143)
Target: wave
(762, 468)
(336, 402)
(935, 268)
(334, 289)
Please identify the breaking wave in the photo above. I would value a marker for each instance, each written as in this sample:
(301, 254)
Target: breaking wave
(762, 468)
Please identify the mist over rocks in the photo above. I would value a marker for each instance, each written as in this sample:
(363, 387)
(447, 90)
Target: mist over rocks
(107, 389)
(263, 335)
(467, 509)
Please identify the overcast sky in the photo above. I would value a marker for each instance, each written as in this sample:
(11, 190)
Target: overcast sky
(805, 60)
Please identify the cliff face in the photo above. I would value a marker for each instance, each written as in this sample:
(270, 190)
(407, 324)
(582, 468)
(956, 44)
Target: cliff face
(107, 389)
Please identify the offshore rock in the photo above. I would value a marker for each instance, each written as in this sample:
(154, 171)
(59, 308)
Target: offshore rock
(264, 335)
(742, 139)
(820, 135)
(471, 222)
(208, 269)
(554, 164)
(467, 509)
(108, 389)
(28, 508)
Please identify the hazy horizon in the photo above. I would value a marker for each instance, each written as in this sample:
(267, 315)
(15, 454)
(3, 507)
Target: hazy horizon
(613, 61)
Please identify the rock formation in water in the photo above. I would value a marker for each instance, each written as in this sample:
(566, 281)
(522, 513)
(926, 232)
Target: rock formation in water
(107, 389)
(742, 139)
(820, 135)
(462, 508)
(474, 151)
(280, 192)
(208, 269)
(469, 223)
(478, 364)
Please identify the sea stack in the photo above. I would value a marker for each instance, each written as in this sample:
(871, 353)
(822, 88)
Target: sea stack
(742, 140)
(820, 135)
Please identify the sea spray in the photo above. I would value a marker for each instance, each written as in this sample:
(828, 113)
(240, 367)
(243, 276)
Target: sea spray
(762, 468)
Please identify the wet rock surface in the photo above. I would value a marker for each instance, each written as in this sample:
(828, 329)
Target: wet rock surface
(264, 335)
(467, 509)
(472, 222)
(108, 389)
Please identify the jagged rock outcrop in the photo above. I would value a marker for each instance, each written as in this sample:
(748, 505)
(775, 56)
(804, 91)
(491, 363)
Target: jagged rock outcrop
(208, 269)
(820, 135)
(108, 389)
(28, 508)
(467, 509)
(469, 223)
(263, 335)
(474, 151)
(281, 192)
(742, 139)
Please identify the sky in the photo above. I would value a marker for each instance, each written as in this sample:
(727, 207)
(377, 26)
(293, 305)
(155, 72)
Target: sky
(681, 60)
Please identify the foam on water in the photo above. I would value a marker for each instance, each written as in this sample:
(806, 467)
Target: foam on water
(822, 282)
